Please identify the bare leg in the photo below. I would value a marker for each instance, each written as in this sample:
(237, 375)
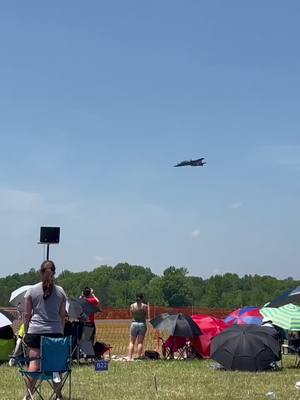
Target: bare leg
(34, 366)
(131, 347)
(140, 341)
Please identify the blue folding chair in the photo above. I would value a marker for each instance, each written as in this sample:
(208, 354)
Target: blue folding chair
(55, 362)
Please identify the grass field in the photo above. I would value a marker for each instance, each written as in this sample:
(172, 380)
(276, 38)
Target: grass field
(194, 380)
(191, 380)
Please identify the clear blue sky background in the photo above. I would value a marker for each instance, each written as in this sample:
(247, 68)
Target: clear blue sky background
(98, 100)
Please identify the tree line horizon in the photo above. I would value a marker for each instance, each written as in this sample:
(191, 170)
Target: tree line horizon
(117, 286)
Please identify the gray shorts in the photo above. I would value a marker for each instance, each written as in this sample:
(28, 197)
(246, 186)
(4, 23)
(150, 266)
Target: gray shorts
(138, 328)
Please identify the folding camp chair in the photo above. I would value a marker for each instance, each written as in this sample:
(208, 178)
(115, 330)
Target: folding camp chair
(181, 347)
(74, 329)
(20, 353)
(294, 346)
(166, 351)
(55, 365)
(86, 343)
(174, 347)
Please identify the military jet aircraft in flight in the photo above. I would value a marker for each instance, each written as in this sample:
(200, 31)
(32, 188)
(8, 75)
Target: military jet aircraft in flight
(193, 163)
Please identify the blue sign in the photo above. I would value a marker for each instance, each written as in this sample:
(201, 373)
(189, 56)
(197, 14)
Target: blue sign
(101, 365)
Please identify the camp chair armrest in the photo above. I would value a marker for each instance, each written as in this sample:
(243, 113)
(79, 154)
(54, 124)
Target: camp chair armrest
(55, 357)
(22, 359)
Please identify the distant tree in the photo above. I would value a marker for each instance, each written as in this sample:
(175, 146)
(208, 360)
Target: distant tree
(176, 288)
(154, 292)
(198, 290)
(117, 286)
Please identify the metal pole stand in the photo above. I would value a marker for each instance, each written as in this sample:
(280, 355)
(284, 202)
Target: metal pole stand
(48, 247)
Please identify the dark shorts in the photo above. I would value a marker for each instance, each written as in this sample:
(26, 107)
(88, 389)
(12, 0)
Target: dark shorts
(33, 340)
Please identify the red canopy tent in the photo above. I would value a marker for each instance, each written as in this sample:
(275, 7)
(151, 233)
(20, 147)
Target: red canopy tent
(210, 327)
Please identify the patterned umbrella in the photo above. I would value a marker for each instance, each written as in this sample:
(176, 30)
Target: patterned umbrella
(286, 317)
(245, 315)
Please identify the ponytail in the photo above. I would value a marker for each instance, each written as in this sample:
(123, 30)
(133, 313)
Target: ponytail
(47, 271)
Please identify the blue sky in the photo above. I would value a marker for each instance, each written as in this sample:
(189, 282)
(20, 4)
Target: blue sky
(98, 100)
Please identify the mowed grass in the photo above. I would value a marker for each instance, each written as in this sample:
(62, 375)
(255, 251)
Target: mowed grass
(166, 380)
(175, 380)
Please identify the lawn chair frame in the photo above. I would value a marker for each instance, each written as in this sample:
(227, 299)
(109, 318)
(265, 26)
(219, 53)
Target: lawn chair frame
(168, 352)
(43, 375)
(295, 349)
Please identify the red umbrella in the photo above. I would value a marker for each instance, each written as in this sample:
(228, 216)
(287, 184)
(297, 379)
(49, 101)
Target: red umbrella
(210, 327)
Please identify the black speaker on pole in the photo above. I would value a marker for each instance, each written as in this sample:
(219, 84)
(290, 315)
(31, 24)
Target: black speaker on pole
(49, 234)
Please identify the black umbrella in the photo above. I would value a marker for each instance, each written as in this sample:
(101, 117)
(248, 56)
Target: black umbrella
(176, 325)
(74, 309)
(80, 308)
(87, 307)
(289, 296)
(6, 320)
(8, 315)
(246, 347)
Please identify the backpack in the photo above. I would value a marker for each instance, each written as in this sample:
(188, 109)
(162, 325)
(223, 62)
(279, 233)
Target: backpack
(100, 348)
(152, 355)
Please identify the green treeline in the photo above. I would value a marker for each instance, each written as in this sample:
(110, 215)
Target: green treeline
(117, 286)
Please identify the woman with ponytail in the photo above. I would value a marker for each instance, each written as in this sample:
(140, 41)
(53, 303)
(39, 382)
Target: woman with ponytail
(138, 328)
(44, 313)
